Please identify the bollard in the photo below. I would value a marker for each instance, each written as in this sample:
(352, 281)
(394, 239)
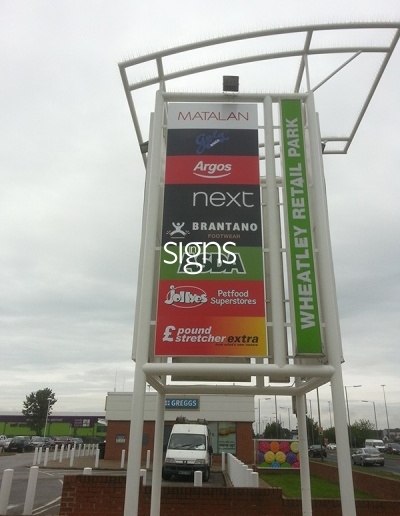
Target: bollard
(35, 454)
(79, 450)
(143, 474)
(71, 460)
(5, 490)
(249, 479)
(148, 459)
(87, 471)
(96, 460)
(61, 453)
(243, 475)
(31, 490)
(55, 452)
(198, 479)
(255, 479)
(39, 459)
(223, 461)
(46, 457)
(122, 459)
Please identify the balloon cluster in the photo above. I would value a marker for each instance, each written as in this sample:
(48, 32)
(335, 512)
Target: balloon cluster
(278, 454)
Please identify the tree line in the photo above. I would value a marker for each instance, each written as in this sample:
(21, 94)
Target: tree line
(37, 408)
(359, 431)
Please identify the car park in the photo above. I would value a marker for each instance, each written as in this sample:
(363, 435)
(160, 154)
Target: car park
(316, 450)
(393, 448)
(368, 456)
(20, 444)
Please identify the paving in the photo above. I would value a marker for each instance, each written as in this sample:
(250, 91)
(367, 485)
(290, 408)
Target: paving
(218, 478)
(85, 462)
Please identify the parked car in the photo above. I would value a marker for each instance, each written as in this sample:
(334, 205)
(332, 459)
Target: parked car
(331, 446)
(365, 456)
(316, 450)
(3, 439)
(20, 444)
(63, 440)
(393, 448)
(42, 442)
(77, 441)
(6, 444)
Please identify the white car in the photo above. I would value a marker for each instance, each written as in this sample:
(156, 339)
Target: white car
(331, 446)
(3, 439)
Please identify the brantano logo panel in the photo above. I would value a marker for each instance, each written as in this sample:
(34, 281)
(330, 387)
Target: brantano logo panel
(211, 299)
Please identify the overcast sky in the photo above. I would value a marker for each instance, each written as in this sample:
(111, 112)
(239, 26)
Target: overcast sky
(72, 189)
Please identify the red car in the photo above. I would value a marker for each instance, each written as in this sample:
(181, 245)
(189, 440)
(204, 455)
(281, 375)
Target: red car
(393, 448)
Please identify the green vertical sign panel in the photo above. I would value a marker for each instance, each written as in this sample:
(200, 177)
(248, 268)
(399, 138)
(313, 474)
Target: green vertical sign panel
(304, 287)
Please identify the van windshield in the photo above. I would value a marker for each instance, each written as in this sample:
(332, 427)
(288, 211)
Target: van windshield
(187, 442)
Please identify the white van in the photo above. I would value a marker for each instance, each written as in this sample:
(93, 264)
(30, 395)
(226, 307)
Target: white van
(189, 449)
(375, 443)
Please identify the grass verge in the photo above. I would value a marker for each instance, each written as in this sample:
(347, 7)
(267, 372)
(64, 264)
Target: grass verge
(320, 488)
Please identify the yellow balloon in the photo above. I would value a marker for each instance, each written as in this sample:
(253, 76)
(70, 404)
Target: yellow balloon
(269, 456)
(280, 457)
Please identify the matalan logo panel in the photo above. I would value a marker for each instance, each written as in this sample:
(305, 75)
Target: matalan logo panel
(212, 116)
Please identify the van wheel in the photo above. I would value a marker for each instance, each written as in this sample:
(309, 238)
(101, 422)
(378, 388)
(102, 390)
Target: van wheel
(206, 475)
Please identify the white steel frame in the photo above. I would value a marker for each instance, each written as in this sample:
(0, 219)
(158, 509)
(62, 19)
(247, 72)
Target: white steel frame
(306, 375)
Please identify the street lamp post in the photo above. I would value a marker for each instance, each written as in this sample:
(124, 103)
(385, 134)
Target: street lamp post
(47, 417)
(348, 412)
(387, 417)
(376, 422)
(330, 413)
(259, 414)
(288, 415)
(311, 423)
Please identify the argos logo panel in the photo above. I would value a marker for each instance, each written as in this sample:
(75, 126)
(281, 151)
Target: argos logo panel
(212, 170)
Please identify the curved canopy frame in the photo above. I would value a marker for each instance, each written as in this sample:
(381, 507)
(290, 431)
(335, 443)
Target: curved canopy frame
(317, 58)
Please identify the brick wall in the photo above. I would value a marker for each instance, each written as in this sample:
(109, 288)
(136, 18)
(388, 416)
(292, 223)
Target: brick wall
(85, 495)
(113, 450)
(384, 488)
